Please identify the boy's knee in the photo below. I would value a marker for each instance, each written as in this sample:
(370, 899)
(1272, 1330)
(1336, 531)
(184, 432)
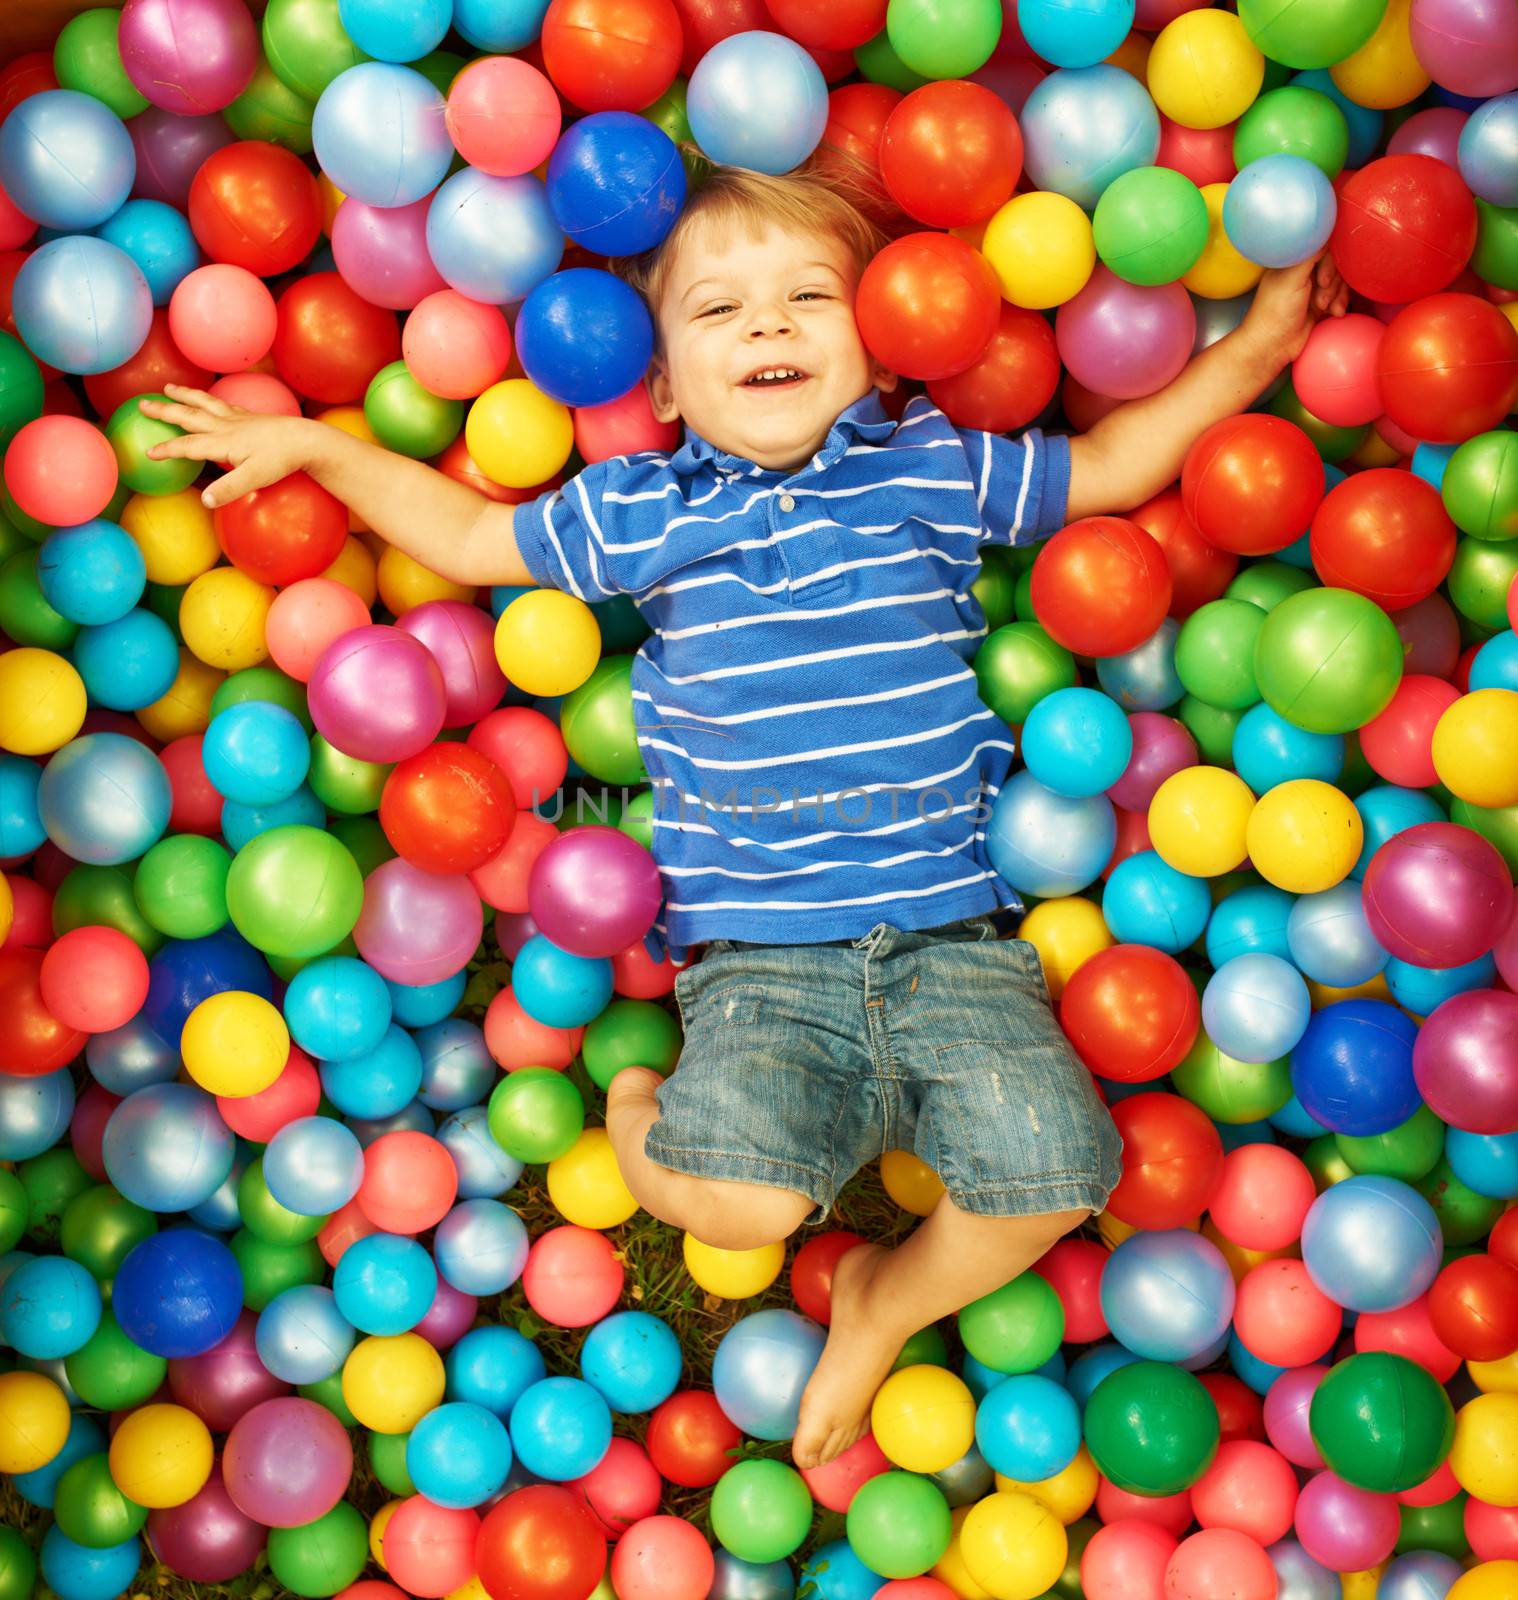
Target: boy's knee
(751, 1219)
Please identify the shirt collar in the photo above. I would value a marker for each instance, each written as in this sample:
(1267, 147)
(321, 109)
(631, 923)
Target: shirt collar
(865, 420)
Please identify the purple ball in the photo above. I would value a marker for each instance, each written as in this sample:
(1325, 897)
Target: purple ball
(227, 1380)
(1435, 132)
(512, 930)
(381, 254)
(1123, 340)
(1465, 1061)
(207, 1539)
(594, 891)
(188, 56)
(1437, 895)
(449, 1317)
(1288, 1402)
(171, 150)
(1161, 748)
(417, 927)
(287, 1462)
(1469, 46)
(462, 641)
(1345, 1528)
(378, 694)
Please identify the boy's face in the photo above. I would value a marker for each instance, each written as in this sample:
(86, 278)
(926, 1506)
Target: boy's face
(738, 305)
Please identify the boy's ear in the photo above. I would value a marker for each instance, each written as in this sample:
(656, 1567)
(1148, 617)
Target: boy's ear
(883, 378)
(661, 394)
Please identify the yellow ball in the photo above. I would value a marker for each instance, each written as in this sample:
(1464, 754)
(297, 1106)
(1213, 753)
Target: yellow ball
(42, 702)
(1069, 1494)
(405, 582)
(377, 1525)
(1221, 271)
(547, 642)
(518, 437)
(1374, 451)
(355, 569)
(1362, 1585)
(585, 1183)
(1041, 248)
(222, 616)
(7, 908)
(1495, 1377)
(910, 1182)
(1199, 817)
(1490, 1580)
(1484, 1458)
(473, 1589)
(1014, 1546)
(391, 1383)
(332, 197)
(34, 1421)
(235, 1044)
(1305, 836)
(174, 533)
(161, 1456)
(1476, 748)
(1238, 1258)
(1205, 70)
(1385, 71)
(352, 421)
(1113, 1231)
(951, 1569)
(733, 1274)
(185, 706)
(1066, 933)
(923, 1418)
(1510, 310)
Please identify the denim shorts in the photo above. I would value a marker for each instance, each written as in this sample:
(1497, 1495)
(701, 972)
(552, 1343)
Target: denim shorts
(803, 1062)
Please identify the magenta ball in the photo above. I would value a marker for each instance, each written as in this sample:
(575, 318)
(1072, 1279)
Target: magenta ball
(1161, 748)
(1465, 1061)
(1287, 1403)
(417, 927)
(449, 1317)
(1470, 46)
(1506, 948)
(1124, 340)
(1437, 895)
(594, 891)
(207, 1539)
(462, 641)
(381, 253)
(188, 56)
(378, 694)
(1435, 132)
(1345, 1528)
(512, 930)
(170, 151)
(287, 1462)
(223, 1383)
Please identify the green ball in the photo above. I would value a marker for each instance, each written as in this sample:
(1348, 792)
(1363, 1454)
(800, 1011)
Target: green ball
(1325, 1162)
(51, 1180)
(20, 388)
(181, 886)
(878, 62)
(636, 820)
(1151, 1428)
(621, 623)
(535, 1114)
(944, 38)
(87, 59)
(596, 807)
(1310, 33)
(1479, 581)
(1017, 666)
(270, 111)
(13, 1210)
(1381, 1422)
(364, 840)
(306, 45)
(926, 1348)
(1212, 727)
(1499, 825)
(407, 418)
(1407, 1152)
(1015, 1328)
(668, 113)
(1495, 260)
(24, 610)
(104, 896)
(1215, 652)
(1080, 1533)
(91, 1510)
(898, 1524)
(630, 1033)
(1464, 1216)
(1439, 1527)
(163, 600)
(1267, 583)
(387, 1461)
(262, 683)
(99, 1228)
(328, 1392)
(1333, 444)
(598, 727)
(440, 68)
(1293, 121)
(131, 435)
(264, 1217)
(294, 891)
(1232, 1091)
(18, 1566)
(319, 1558)
(1480, 486)
(111, 1373)
(34, 530)
(344, 783)
(1151, 225)
(267, 1269)
(761, 1510)
(1328, 660)
(996, 590)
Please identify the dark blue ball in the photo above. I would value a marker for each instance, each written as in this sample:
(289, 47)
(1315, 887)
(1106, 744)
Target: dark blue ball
(584, 337)
(615, 183)
(187, 971)
(178, 1292)
(1353, 1068)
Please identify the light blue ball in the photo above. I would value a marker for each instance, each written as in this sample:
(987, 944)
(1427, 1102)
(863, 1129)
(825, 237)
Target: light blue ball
(66, 159)
(1386, 811)
(1330, 938)
(421, 1004)
(979, 1378)
(389, 32)
(1084, 126)
(104, 798)
(1255, 919)
(834, 1572)
(337, 1008)
(166, 1147)
(129, 663)
(1364, 123)
(557, 988)
(379, 134)
(757, 100)
(458, 1455)
(1418, 1575)
(49, 1308)
(1430, 461)
(130, 1057)
(1046, 844)
(560, 1429)
(736, 1579)
(1495, 665)
(240, 823)
(82, 304)
(1485, 1162)
(1268, 750)
(633, 1360)
(1028, 1428)
(34, 1113)
(1421, 989)
(1077, 742)
(1167, 1295)
(85, 1438)
(21, 829)
(1144, 678)
(158, 239)
(761, 1367)
(493, 239)
(1146, 901)
(1280, 210)
(377, 1083)
(74, 1572)
(1299, 1577)
(499, 26)
(313, 1166)
(384, 1284)
(414, 1118)
(256, 753)
(493, 1367)
(480, 1247)
(1296, 1121)
(1216, 319)
(457, 1069)
(1372, 1243)
(485, 1170)
(1259, 1375)
(221, 1210)
(1488, 153)
(1091, 1366)
(302, 1335)
(1074, 33)
(1256, 1007)
(92, 573)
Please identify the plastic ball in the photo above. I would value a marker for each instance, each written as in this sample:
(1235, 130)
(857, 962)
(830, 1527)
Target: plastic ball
(1436, 895)
(37, 1420)
(379, 134)
(1204, 70)
(1147, 902)
(760, 1368)
(950, 154)
(1488, 147)
(161, 1455)
(633, 1360)
(1299, 636)
(1406, 226)
(93, 979)
(493, 239)
(1045, 843)
(1335, 375)
(1198, 820)
(1344, 1528)
(1041, 249)
(49, 1308)
(1151, 1428)
(664, 1556)
(1381, 1422)
(519, 437)
(907, 276)
(1279, 210)
(542, 1538)
(256, 206)
(166, 1148)
(177, 1293)
(91, 573)
(615, 183)
(458, 1455)
(1084, 127)
(189, 57)
(1123, 340)
(66, 160)
(1464, 1062)
(1255, 1007)
(455, 347)
(738, 77)
(1448, 367)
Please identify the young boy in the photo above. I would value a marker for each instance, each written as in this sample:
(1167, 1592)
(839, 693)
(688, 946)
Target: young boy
(822, 764)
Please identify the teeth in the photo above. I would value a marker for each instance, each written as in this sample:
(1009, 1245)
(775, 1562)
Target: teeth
(774, 375)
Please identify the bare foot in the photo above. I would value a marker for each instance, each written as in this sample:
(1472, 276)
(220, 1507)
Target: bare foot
(835, 1407)
(631, 1110)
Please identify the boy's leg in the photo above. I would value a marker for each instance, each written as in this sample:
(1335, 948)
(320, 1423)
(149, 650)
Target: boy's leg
(881, 1297)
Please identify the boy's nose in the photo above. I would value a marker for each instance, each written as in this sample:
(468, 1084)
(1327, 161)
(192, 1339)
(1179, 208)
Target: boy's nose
(769, 322)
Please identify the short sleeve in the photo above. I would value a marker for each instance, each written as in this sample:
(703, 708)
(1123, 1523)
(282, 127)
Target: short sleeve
(1022, 484)
(561, 539)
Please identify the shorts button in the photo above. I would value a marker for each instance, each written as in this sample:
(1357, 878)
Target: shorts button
(787, 503)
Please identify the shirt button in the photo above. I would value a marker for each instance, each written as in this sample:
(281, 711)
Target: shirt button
(787, 503)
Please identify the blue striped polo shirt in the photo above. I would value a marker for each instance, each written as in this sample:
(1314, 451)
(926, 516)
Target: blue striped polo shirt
(806, 709)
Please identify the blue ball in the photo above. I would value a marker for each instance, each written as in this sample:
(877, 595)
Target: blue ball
(337, 1008)
(1028, 1428)
(499, 26)
(302, 1336)
(66, 159)
(1279, 210)
(1092, 1365)
(457, 1069)
(584, 337)
(384, 1284)
(834, 1572)
(49, 1307)
(560, 1429)
(1430, 462)
(81, 304)
(1074, 33)
(86, 1438)
(1386, 811)
(1488, 153)
(760, 1369)
(485, 1170)
(92, 573)
(1418, 1575)
(21, 829)
(130, 1057)
(1495, 665)
(736, 1579)
(1353, 1069)
(1047, 844)
(1077, 742)
(1084, 126)
(1299, 1577)
(418, 1005)
(1330, 938)
(616, 183)
(1485, 1162)
(556, 988)
(757, 100)
(633, 1360)
(129, 663)
(1256, 1007)
(1364, 123)
(379, 134)
(34, 1113)
(256, 753)
(178, 1292)
(1144, 678)
(458, 1455)
(389, 32)
(493, 239)
(104, 798)
(221, 1210)
(1295, 1122)
(480, 1247)
(1421, 989)
(313, 1166)
(979, 1378)
(493, 1367)
(239, 823)
(166, 1148)
(1146, 901)
(187, 971)
(1268, 750)
(1371, 1243)
(158, 239)
(1168, 1295)
(415, 1118)
(74, 1572)
(1299, 552)
(377, 1083)
(1258, 1374)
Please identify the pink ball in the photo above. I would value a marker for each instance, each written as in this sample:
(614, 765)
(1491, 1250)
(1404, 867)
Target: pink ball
(171, 150)
(1122, 340)
(223, 1383)
(662, 1558)
(593, 891)
(287, 1462)
(206, 1539)
(429, 1548)
(449, 1317)
(306, 618)
(622, 1489)
(836, 1482)
(377, 693)
(60, 470)
(1335, 375)
(1470, 46)
(1492, 1530)
(461, 639)
(1465, 1060)
(622, 427)
(1287, 1402)
(1249, 1489)
(1219, 1561)
(1126, 1560)
(452, 345)
(503, 116)
(923, 1588)
(1437, 895)
(512, 930)
(222, 317)
(1435, 132)
(1161, 748)
(188, 56)
(257, 391)
(94, 979)
(381, 253)
(1172, 1512)
(572, 1277)
(1263, 1197)
(528, 748)
(1345, 1528)
(416, 927)
(1505, 951)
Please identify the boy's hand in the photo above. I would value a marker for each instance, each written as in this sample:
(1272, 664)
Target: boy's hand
(259, 450)
(1289, 302)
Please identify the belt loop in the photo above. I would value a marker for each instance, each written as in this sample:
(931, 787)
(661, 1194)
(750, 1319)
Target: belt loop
(870, 944)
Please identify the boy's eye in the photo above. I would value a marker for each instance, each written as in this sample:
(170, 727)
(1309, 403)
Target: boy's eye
(719, 310)
(811, 294)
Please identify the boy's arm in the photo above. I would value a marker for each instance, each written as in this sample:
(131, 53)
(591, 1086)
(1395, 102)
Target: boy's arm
(452, 530)
(1137, 450)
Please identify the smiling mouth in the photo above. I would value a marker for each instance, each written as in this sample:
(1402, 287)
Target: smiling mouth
(774, 378)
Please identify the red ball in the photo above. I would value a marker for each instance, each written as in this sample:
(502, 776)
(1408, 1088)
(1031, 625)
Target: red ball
(1281, 1316)
(812, 1273)
(1011, 382)
(1398, 744)
(32, 1040)
(836, 1482)
(928, 305)
(1263, 1197)
(1252, 483)
(331, 341)
(1127, 1556)
(409, 1182)
(1249, 1488)
(1101, 586)
(94, 979)
(1241, 1412)
(840, 25)
(27, 75)
(516, 1040)
(60, 469)
(290, 530)
(1430, 637)
(1502, 1242)
(1407, 1331)
(1220, 1561)
(1473, 1307)
(1073, 1269)
(622, 1488)
(296, 1092)
(1132, 837)
(662, 1558)
(622, 427)
(951, 154)
(1406, 226)
(707, 22)
(1491, 1530)
(1205, 155)
(1131, 1013)
(857, 115)
(573, 1278)
(1170, 1513)
(196, 806)
(1172, 1159)
(1448, 368)
(690, 1437)
(1386, 535)
(540, 1543)
(448, 809)
(1199, 571)
(611, 55)
(158, 360)
(430, 1548)
(256, 205)
(637, 976)
(527, 747)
